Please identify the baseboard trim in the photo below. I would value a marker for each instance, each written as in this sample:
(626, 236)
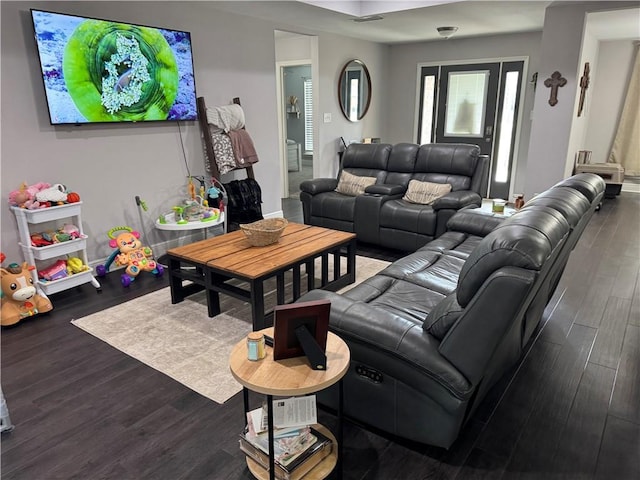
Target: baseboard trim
(277, 214)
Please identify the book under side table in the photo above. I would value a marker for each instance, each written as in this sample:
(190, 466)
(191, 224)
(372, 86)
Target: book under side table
(215, 263)
(292, 377)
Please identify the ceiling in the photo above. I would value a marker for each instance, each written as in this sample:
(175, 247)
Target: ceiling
(416, 20)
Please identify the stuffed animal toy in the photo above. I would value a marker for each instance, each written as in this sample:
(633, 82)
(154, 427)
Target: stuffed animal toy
(130, 254)
(55, 194)
(19, 297)
(76, 265)
(17, 198)
(25, 196)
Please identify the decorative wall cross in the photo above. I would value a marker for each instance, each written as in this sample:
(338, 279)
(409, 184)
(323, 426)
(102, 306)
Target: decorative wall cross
(554, 82)
(584, 84)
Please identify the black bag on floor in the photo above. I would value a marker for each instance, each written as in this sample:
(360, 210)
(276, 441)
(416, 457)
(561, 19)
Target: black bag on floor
(244, 204)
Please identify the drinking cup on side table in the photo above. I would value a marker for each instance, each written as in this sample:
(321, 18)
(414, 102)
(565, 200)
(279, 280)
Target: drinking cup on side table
(498, 205)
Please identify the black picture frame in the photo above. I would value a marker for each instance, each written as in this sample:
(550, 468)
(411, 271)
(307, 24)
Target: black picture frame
(314, 315)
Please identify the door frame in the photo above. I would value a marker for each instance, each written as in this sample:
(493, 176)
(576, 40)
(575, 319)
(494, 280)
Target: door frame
(282, 118)
(521, 102)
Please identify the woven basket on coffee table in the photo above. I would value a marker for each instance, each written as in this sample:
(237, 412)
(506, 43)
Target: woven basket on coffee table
(264, 232)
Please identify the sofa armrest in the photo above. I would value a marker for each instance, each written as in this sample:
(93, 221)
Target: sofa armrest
(319, 185)
(366, 217)
(473, 221)
(456, 200)
(385, 189)
(470, 344)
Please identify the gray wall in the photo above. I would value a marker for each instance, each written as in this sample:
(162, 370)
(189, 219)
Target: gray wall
(606, 95)
(557, 133)
(335, 52)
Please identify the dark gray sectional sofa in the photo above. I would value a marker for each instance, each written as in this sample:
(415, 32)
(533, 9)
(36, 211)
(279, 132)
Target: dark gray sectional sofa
(434, 331)
(380, 216)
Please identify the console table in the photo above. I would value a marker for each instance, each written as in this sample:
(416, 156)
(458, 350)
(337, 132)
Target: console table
(291, 377)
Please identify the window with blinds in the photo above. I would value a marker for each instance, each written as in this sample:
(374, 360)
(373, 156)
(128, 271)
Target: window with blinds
(308, 115)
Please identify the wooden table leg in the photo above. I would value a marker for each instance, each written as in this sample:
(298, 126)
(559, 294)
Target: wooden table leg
(296, 282)
(280, 288)
(324, 275)
(257, 304)
(351, 260)
(213, 297)
(337, 270)
(311, 275)
(175, 282)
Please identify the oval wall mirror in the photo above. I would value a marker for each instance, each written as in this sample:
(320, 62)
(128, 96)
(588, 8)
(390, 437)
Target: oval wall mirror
(354, 90)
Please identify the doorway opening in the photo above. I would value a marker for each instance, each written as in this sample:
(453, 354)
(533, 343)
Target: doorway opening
(297, 94)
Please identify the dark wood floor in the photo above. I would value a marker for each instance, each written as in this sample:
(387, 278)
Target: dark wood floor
(571, 409)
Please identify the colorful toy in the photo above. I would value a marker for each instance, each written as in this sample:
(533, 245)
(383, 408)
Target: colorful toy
(76, 265)
(38, 240)
(20, 298)
(63, 234)
(54, 272)
(56, 194)
(131, 254)
(73, 197)
(71, 230)
(180, 220)
(214, 197)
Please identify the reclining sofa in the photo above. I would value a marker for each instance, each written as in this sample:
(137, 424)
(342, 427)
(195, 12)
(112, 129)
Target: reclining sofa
(381, 216)
(434, 331)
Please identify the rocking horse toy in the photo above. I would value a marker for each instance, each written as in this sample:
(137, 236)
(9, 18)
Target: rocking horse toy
(20, 298)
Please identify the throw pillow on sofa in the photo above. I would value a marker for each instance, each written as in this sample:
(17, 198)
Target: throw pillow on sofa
(443, 316)
(353, 185)
(425, 193)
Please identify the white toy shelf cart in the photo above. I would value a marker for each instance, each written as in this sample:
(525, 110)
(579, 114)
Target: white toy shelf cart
(77, 246)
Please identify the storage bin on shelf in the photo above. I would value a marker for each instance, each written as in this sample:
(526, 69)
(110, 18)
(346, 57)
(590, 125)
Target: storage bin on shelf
(59, 249)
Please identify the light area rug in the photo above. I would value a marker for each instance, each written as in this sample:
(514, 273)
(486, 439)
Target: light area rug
(181, 341)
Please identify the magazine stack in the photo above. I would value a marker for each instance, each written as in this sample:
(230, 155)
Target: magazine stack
(297, 448)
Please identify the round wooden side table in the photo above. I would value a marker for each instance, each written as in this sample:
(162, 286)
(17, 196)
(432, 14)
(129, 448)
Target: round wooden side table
(291, 377)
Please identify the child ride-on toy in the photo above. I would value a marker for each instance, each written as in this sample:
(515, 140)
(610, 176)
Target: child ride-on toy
(131, 254)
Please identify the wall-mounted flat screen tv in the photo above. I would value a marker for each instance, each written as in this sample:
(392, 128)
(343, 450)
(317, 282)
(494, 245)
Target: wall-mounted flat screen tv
(98, 71)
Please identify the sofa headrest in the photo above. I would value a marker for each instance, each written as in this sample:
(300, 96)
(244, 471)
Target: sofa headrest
(402, 158)
(448, 158)
(371, 156)
(525, 240)
(588, 184)
(569, 202)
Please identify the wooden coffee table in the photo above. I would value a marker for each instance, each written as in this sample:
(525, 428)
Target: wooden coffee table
(213, 263)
